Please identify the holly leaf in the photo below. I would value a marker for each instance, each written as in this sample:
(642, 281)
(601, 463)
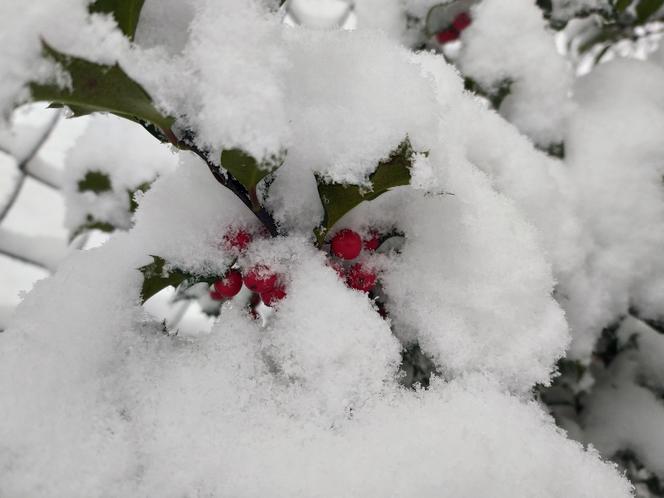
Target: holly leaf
(338, 198)
(646, 8)
(158, 275)
(495, 95)
(621, 5)
(99, 88)
(92, 224)
(94, 181)
(246, 169)
(143, 187)
(125, 13)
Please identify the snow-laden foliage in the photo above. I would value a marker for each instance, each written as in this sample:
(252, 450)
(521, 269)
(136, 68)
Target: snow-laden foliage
(106, 171)
(500, 256)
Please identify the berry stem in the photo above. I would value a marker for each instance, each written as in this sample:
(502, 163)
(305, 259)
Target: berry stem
(249, 199)
(253, 197)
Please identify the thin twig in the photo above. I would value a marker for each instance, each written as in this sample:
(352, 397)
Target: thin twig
(22, 166)
(231, 183)
(42, 180)
(38, 170)
(24, 259)
(13, 195)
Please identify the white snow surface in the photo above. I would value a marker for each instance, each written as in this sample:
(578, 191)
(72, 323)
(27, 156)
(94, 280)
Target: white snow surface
(98, 402)
(495, 50)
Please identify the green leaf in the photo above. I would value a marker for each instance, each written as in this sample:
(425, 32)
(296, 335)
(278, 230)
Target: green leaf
(338, 199)
(143, 187)
(607, 34)
(556, 149)
(546, 6)
(246, 169)
(158, 275)
(621, 5)
(94, 181)
(646, 8)
(495, 95)
(99, 88)
(92, 224)
(125, 12)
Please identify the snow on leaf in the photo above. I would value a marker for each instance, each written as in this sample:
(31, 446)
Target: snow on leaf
(99, 88)
(125, 13)
(338, 198)
(158, 275)
(94, 181)
(246, 169)
(646, 8)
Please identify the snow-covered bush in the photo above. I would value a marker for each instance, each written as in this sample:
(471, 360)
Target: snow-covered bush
(405, 253)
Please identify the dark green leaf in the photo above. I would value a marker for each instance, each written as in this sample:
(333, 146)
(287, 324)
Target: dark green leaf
(338, 199)
(546, 6)
(646, 8)
(607, 34)
(99, 88)
(125, 13)
(92, 224)
(94, 181)
(621, 5)
(495, 94)
(158, 275)
(246, 169)
(555, 150)
(143, 187)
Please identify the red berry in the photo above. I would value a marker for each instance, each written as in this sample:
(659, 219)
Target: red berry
(260, 279)
(216, 296)
(230, 284)
(237, 239)
(346, 244)
(373, 242)
(447, 35)
(337, 267)
(360, 278)
(461, 22)
(271, 297)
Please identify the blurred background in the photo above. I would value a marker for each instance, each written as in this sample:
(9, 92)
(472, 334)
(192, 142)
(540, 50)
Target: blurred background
(33, 237)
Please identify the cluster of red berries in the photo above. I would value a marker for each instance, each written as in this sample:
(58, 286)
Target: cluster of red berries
(264, 282)
(461, 22)
(347, 245)
(259, 279)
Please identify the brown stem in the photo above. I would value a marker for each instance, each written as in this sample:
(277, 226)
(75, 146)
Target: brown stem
(253, 197)
(249, 199)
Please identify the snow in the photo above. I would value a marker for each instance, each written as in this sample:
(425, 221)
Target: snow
(159, 416)
(625, 408)
(65, 25)
(308, 405)
(615, 157)
(307, 401)
(127, 155)
(493, 50)
(337, 89)
(565, 9)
